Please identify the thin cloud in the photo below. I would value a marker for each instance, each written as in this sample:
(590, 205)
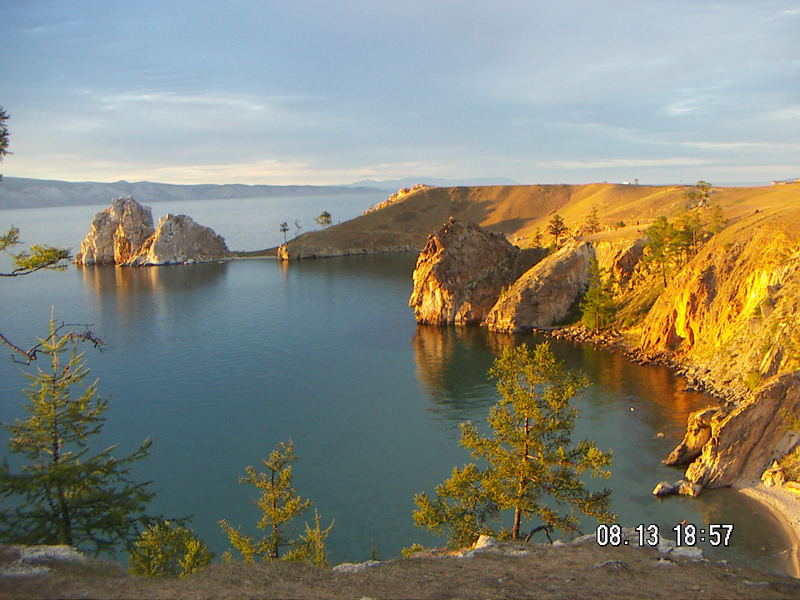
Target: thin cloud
(608, 163)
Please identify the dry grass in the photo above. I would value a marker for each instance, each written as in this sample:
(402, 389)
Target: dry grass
(517, 211)
(582, 571)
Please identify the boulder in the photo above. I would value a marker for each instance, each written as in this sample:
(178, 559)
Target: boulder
(664, 488)
(116, 233)
(178, 239)
(459, 274)
(544, 294)
(774, 476)
(698, 432)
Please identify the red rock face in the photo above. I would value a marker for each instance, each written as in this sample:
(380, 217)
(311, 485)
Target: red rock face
(460, 274)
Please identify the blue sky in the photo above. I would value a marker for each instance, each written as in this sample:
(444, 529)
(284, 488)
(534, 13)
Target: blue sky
(327, 92)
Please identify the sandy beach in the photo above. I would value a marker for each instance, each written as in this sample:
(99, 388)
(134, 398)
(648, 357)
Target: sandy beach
(785, 505)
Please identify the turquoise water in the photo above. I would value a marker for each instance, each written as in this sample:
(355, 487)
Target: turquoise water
(217, 363)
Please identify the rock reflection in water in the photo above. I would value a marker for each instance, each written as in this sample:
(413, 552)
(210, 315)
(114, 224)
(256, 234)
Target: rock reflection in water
(119, 289)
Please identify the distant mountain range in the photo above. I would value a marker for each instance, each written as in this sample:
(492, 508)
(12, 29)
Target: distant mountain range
(392, 185)
(18, 192)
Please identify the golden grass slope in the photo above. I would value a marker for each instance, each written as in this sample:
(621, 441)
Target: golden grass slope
(517, 211)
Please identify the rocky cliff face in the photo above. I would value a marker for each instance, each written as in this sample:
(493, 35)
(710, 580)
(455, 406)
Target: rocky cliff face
(124, 235)
(116, 233)
(618, 259)
(459, 274)
(178, 239)
(743, 440)
(543, 295)
(732, 312)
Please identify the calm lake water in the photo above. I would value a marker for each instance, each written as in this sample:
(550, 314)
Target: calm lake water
(217, 363)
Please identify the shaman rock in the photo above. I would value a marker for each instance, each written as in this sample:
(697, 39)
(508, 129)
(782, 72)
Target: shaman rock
(116, 233)
(543, 295)
(460, 273)
(178, 239)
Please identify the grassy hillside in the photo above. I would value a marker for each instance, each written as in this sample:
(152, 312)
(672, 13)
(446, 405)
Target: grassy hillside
(517, 211)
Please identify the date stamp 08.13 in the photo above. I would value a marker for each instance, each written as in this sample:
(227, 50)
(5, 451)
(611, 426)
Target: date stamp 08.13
(686, 534)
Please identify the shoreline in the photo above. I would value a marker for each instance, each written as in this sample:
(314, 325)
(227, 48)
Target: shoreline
(779, 502)
(785, 507)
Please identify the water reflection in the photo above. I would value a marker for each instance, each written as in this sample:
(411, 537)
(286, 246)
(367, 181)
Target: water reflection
(127, 292)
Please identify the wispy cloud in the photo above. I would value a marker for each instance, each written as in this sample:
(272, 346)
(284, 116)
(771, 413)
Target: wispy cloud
(789, 113)
(610, 163)
(169, 98)
(735, 146)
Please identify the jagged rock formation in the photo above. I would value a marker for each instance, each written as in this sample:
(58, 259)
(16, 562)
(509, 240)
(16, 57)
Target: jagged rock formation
(618, 259)
(460, 273)
(178, 239)
(124, 235)
(544, 294)
(698, 432)
(116, 233)
(745, 439)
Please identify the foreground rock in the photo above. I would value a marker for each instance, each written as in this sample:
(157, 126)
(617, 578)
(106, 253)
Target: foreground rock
(124, 235)
(497, 569)
(178, 239)
(545, 293)
(460, 273)
(116, 233)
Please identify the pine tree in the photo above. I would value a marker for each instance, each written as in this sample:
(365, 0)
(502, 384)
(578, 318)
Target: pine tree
(592, 224)
(532, 468)
(279, 505)
(69, 496)
(557, 228)
(716, 222)
(659, 245)
(324, 218)
(168, 550)
(598, 307)
(284, 227)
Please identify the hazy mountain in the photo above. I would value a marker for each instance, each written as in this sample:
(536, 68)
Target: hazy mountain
(18, 192)
(392, 185)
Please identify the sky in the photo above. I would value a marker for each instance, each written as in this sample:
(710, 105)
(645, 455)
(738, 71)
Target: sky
(332, 92)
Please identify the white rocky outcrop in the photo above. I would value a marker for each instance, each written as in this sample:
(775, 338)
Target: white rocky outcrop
(123, 234)
(178, 239)
(116, 233)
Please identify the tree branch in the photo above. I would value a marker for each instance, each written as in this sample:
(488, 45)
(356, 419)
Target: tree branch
(32, 353)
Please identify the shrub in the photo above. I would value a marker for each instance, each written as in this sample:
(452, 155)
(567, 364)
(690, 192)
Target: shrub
(166, 550)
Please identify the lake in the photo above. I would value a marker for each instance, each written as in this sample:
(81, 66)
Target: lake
(219, 362)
